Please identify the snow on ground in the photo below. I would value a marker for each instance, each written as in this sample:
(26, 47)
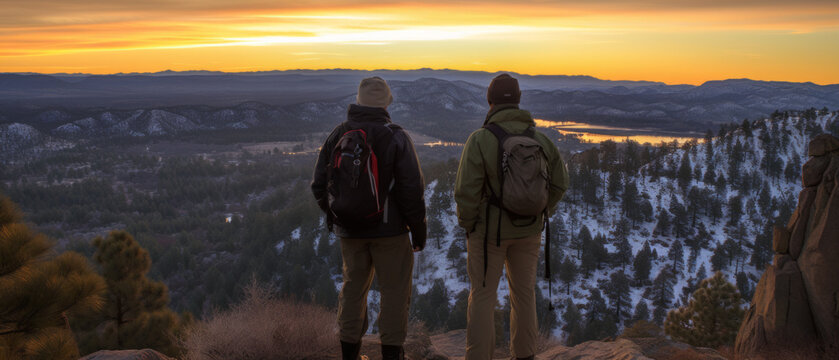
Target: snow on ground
(432, 263)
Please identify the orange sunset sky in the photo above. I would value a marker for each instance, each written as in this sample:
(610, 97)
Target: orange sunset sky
(671, 41)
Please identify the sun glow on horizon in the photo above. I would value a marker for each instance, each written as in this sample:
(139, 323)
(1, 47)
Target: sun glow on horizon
(606, 39)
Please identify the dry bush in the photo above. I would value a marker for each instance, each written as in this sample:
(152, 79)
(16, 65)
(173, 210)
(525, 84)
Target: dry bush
(262, 327)
(642, 329)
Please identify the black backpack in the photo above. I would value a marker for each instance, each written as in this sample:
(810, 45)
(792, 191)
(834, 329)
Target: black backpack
(357, 184)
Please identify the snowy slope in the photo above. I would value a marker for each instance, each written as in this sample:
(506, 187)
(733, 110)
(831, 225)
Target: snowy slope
(790, 135)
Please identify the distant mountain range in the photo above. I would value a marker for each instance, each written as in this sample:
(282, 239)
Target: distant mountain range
(444, 104)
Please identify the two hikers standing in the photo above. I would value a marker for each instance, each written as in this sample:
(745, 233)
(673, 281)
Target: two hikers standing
(369, 183)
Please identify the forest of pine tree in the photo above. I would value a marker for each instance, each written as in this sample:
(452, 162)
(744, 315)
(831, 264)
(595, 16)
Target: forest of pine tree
(635, 236)
(43, 293)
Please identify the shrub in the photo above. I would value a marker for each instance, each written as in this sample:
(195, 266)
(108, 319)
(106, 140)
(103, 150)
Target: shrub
(642, 329)
(711, 318)
(263, 327)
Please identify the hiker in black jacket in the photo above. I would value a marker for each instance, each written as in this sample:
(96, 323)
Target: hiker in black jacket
(380, 245)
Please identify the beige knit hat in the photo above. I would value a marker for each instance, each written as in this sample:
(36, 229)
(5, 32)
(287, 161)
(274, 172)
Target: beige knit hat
(374, 92)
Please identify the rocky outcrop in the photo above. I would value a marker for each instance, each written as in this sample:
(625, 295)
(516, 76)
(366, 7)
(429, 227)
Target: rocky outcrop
(796, 301)
(418, 345)
(452, 345)
(145, 354)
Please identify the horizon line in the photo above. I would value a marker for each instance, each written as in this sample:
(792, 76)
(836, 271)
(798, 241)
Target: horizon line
(399, 70)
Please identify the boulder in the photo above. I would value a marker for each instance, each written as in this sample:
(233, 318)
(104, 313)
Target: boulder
(620, 349)
(452, 345)
(822, 144)
(796, 302)
(779, 314)
(145, 354)
(780, 240)
(661, 348)
(418, 346)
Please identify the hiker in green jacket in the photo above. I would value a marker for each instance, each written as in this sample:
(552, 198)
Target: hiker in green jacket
(516, 242)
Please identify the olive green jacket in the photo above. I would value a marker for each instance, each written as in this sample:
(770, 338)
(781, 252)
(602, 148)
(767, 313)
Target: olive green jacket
(479, 168)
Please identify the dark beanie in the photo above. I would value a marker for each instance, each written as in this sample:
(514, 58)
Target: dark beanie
(504, 89)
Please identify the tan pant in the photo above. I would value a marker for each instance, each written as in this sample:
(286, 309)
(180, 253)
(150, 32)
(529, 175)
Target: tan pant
(392, 260)
(520, 257)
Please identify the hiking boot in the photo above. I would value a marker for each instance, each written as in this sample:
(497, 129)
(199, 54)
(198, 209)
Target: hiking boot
(392, 352)
(349, 351)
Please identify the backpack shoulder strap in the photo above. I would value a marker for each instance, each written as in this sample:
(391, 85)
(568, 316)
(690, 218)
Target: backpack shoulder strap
(500, 135)
(530, 132)
(498, 131)
(393, 127)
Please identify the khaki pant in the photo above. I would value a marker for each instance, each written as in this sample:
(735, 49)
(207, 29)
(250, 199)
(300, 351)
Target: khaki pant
(520, 257)
(392, 260)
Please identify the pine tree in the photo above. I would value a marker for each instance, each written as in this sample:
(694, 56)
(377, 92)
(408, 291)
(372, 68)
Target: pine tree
(661, 293)
(567, 273)
(676, 254)
(436, 230)
(324, 292)
(735, 159)
(662, 227)
(793, 169)
(42, 294)
(617, 290)
(457, 316)
(743, 285)
(721, 184)
(684, 173)
(697, 200)
(710, 175)
(719, 258)
(545, 314)
(762, 251)
(623, 253)
(573, 324)
(609, 154)
(709, 147)
(582, 241)
(735, 210)
(680, 218)
(432, 307)
(629, 202)
(599, 323)
(747, 128)
(641, 313)
(599, 251)
(631, 157)
(622, 229)
(711, 318)
(615, 185)
(642, 264)
(136, 313)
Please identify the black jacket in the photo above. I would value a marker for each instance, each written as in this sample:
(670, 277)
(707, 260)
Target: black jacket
(406, 196)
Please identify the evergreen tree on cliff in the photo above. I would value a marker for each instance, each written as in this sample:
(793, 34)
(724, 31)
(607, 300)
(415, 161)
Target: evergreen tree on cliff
(711, 318)
(40, 293)
(136, 314)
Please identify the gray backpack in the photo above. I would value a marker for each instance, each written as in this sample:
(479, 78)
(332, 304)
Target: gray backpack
(524, 183)
(523, 174)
